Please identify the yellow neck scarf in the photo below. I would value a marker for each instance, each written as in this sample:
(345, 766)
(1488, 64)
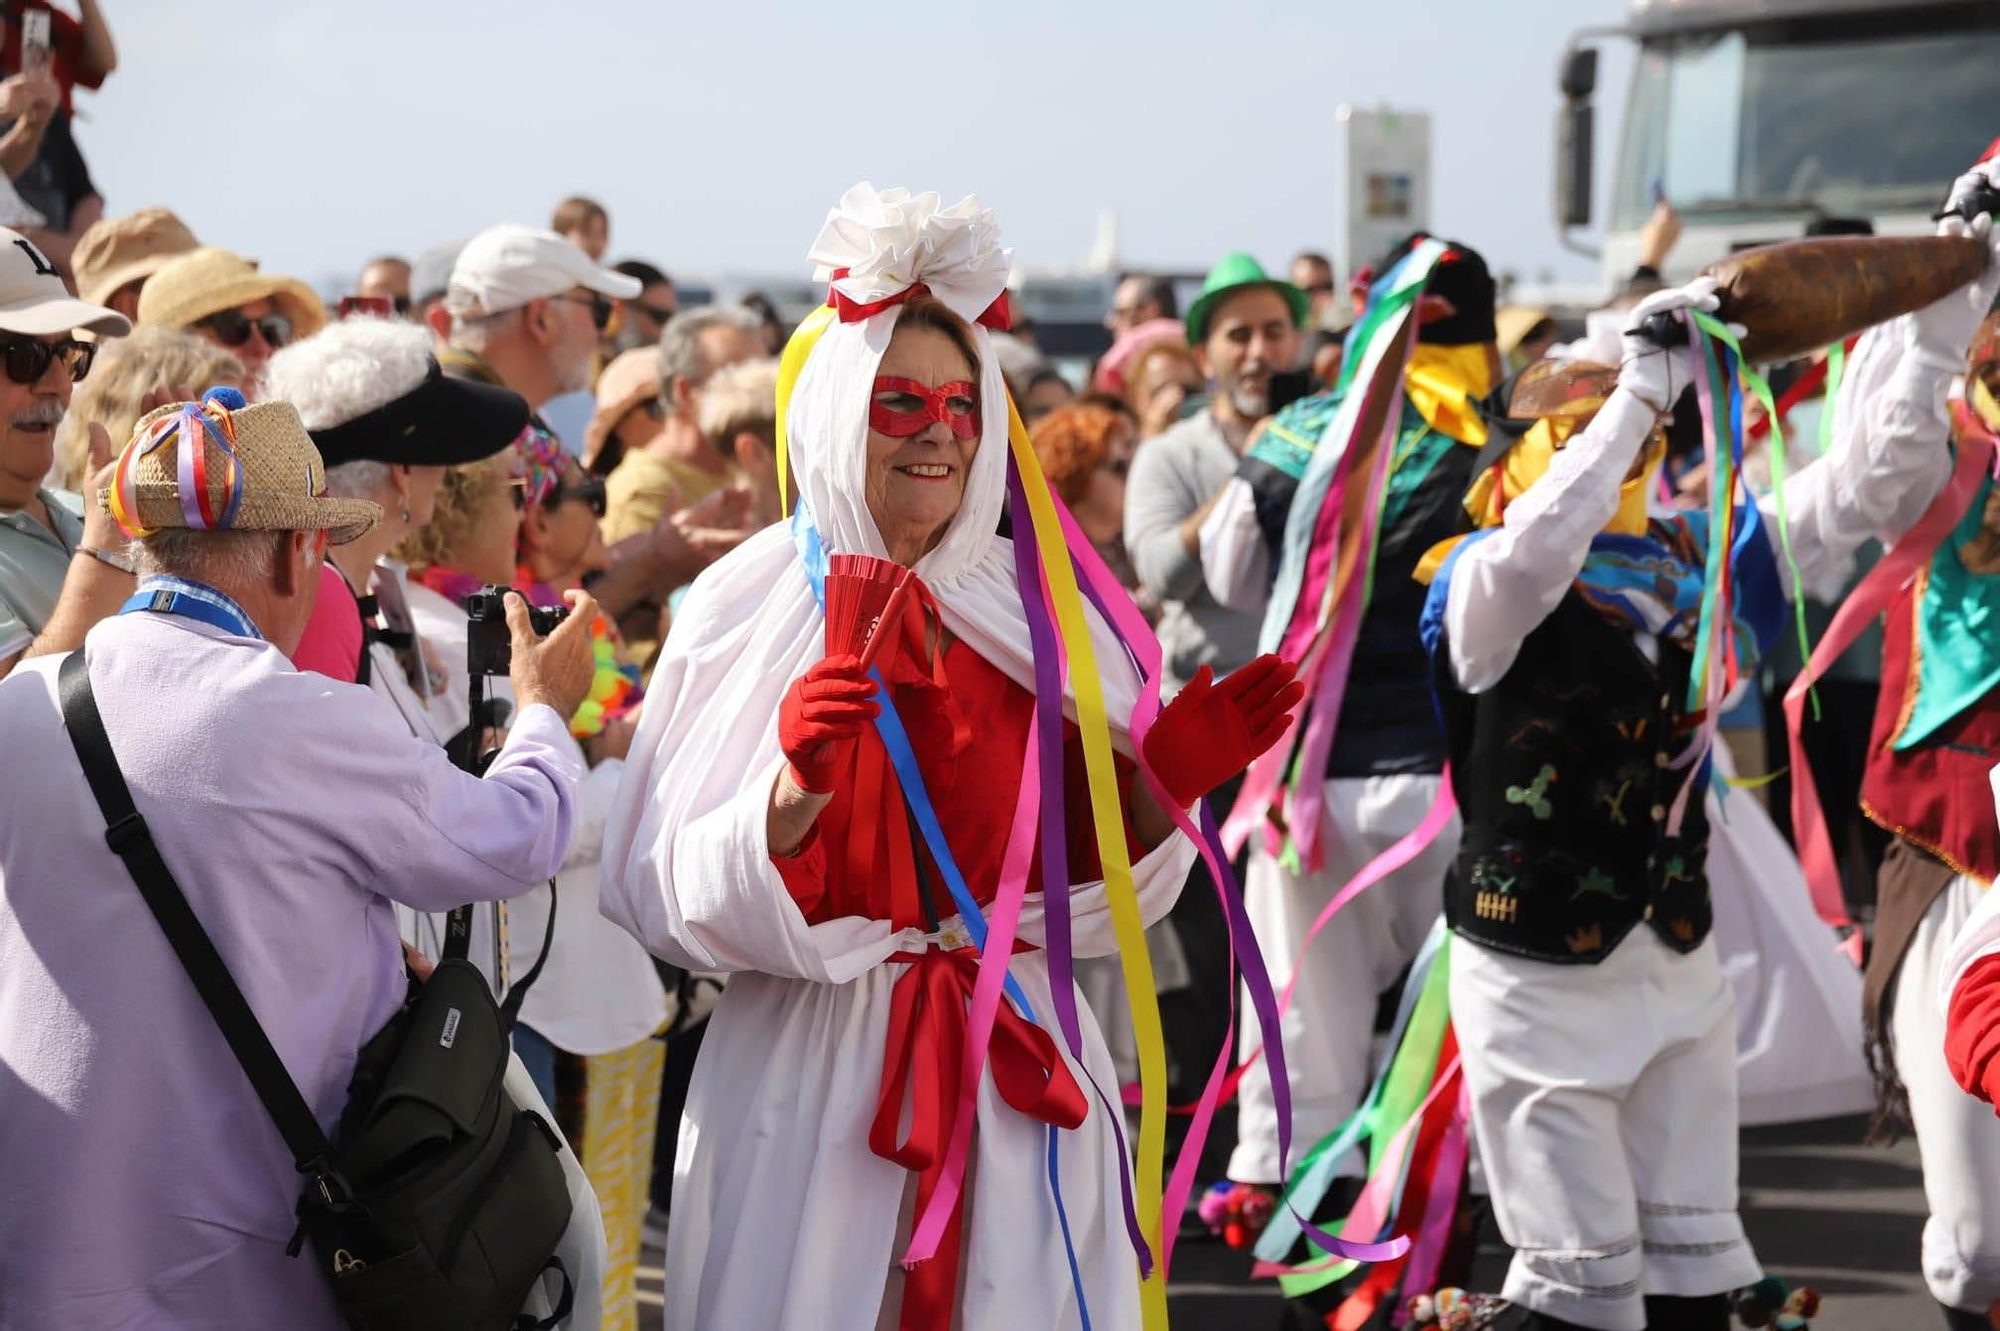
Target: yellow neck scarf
(1499, 486)
(1443, 383)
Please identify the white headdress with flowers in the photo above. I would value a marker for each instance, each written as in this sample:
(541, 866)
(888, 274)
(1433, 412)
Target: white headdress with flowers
(689, 819)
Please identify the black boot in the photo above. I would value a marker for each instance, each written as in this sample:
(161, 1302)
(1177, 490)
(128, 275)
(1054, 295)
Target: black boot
(1710, 1312)
(1958, 1319)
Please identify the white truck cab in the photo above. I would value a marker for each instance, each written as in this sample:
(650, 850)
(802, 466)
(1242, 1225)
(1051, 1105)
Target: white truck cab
(1752, 117)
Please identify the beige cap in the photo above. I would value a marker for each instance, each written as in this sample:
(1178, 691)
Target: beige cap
(283, 481)
(120, 250)
(631, 379)
(34, 301)
(190, 287)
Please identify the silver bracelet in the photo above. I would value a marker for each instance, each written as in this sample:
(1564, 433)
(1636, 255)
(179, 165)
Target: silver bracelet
(122, 562)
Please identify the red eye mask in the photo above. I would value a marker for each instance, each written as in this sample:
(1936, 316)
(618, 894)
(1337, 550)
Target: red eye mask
(937, 405)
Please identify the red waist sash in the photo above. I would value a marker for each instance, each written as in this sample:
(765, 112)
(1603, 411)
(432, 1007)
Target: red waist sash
(922, 1061)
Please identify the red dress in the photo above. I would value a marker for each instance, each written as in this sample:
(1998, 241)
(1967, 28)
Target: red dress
(967, 724)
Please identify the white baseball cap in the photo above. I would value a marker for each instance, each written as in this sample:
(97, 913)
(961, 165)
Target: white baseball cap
(34, 301)
(506, 266)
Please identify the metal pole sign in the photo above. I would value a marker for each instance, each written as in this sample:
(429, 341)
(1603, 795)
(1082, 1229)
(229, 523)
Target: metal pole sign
(1386, 180)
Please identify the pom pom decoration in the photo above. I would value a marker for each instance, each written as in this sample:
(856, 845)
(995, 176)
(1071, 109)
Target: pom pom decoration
(222, 395)
(865, 597)
(1770, 1302)
(614, 686)
(1236, 1212)
(1454, 1309)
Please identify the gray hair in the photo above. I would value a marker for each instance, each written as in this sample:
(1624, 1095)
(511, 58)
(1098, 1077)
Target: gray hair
(221, 559)
(348, 369)
(472, 331)
(358, 480)
(680, 344)
(737, 398)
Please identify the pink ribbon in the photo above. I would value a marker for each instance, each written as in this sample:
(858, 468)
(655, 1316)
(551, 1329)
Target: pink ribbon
(1869, 599)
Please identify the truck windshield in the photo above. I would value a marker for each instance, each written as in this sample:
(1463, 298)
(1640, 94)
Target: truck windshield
(1736, 124)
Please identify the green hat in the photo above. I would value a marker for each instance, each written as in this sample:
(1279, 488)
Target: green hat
(1232, 274)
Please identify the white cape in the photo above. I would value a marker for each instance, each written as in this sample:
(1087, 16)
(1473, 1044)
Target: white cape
(1798, 1000)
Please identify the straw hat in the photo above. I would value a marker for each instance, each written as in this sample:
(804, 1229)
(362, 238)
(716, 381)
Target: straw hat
(262, 473)
(120, 250)
(190, 287)
(630, 380)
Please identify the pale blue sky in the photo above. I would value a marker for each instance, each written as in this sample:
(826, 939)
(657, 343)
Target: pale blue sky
(315, 135)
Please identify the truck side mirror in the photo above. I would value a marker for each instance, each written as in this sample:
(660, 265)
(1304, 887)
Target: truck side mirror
(1579, 72)
(1576, 137)
(1574, 145)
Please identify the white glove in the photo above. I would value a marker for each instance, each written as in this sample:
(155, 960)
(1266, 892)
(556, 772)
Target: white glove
(1658, 375)
(1941, 332)
(1961, 190)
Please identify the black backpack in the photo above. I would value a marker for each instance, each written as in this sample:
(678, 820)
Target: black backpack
(440, 1202)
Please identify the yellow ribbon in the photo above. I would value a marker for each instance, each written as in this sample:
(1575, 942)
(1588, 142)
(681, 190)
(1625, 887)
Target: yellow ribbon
(804, 338)
(1108, 820)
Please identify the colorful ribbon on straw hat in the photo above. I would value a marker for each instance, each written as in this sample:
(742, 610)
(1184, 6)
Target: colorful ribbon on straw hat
(196, 425)
(233, 467)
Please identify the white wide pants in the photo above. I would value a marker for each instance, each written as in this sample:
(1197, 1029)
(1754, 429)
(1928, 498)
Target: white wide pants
(1958, 1135)
(1604, 1107)
(1329, 1027)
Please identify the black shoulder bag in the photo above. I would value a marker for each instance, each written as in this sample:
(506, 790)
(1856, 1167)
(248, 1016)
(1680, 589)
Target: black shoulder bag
(440, 1202)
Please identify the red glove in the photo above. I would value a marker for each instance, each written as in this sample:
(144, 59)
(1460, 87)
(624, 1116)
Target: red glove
(1972, 1029)
(1210, 732)
(821, 718)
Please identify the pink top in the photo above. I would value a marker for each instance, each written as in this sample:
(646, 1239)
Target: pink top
(332, 641)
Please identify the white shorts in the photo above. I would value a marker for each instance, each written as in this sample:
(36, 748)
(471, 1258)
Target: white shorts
(1329, 1027)
(1604, 1106)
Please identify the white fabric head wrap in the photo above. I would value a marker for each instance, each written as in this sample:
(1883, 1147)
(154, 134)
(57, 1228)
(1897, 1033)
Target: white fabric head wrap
(707, 750)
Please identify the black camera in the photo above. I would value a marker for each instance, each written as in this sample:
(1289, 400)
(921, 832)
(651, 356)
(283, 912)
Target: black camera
(489, 645)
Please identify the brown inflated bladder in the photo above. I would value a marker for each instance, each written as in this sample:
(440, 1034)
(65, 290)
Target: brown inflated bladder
(1793, 298)
(1802, 295)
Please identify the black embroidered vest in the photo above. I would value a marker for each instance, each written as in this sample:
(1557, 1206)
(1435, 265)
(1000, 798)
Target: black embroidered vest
(1563, 778)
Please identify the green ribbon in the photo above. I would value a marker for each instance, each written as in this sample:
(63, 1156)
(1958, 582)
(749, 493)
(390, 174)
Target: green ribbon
(1836, 363)
(1391, 1103)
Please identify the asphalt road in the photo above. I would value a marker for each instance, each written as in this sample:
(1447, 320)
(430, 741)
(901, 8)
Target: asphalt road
(1822, 1209)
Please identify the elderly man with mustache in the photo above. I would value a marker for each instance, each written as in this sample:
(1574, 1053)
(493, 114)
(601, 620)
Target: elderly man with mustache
(62, 563)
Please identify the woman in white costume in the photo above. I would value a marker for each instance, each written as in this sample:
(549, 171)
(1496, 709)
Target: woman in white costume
(761, 831)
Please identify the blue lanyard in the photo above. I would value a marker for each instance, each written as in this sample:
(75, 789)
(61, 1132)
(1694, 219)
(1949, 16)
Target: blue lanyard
(166, 595)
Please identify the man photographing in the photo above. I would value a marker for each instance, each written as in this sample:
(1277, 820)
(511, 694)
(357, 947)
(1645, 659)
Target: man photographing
(146, 1182)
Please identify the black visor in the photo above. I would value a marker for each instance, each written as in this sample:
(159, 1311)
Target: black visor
(439, 423)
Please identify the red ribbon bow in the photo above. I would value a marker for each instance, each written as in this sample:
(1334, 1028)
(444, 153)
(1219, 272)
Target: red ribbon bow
(925, 1052)
(998, 315)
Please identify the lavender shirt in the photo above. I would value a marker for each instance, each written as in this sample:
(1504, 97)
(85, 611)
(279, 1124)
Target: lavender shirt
(141, 1182)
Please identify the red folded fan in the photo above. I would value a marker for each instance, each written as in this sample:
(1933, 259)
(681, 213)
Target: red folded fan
(865, 597)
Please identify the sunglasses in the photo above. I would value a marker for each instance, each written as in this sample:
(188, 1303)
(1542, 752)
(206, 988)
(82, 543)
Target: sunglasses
(590, 492)
(600, 308)
(656, 315)
(233, 329)
(28, 358)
